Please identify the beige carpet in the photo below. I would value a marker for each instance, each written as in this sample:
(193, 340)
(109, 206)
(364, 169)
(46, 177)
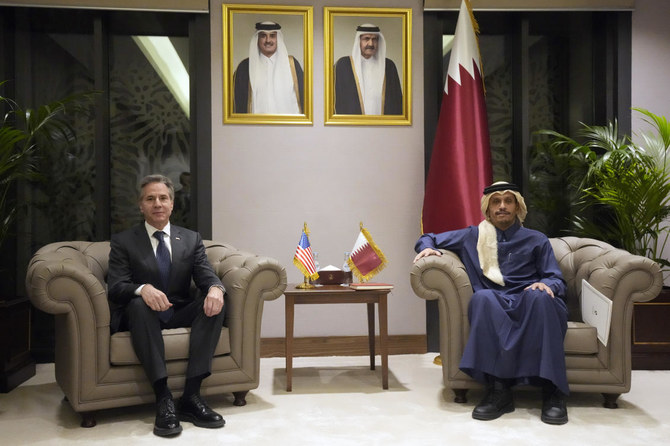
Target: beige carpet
(339, 401)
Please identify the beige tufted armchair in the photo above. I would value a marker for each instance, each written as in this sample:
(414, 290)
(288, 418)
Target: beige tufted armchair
(99, 371)
(591, 366)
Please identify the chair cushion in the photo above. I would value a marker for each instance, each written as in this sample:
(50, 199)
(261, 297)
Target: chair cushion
(581, 339)
(176, 341)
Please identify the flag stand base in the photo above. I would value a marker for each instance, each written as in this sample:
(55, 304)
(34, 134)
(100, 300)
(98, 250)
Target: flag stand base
(305, 285)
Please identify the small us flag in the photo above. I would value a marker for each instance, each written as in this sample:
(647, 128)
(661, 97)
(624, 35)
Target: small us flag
(304, 259)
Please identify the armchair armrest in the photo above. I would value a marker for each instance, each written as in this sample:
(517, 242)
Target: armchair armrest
(249, 281)
(623, 277)
(59, 281)
(444, 278)
(436, 277)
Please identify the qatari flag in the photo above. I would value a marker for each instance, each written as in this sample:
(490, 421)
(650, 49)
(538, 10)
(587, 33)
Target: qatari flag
(460, 165)
(366, 258)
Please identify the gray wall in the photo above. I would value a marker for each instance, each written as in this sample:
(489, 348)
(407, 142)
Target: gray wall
(269, 179)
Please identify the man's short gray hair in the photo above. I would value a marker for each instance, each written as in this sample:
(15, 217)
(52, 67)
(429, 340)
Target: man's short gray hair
(157, 178)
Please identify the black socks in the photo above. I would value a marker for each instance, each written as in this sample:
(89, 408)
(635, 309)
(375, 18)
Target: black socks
(192, 386)
(161, 389)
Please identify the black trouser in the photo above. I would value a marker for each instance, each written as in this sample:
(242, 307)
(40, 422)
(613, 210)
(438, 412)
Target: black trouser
(145, 331)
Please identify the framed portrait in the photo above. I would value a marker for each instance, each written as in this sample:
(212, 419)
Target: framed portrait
(368, 66)
(267, 64)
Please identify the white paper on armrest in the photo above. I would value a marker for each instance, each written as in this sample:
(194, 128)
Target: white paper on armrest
(596, 310)
(330, 268)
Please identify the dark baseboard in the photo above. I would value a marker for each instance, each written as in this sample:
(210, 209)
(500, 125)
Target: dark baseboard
(651, 361)
(11, 379)
(16, 363)
(342, 346)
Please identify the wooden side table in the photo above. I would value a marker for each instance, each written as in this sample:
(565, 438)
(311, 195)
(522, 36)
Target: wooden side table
(336, 294)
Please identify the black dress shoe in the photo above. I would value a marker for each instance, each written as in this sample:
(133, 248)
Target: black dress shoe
(554, 407)
(195, 410)
(167, 423)
(497, 401)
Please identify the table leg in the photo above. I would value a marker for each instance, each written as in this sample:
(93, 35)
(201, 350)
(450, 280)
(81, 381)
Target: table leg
(383, 340)
(289, 316)
(371, 333)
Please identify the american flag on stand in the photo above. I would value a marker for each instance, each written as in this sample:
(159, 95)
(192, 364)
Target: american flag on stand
(366, 258)
(303, 258)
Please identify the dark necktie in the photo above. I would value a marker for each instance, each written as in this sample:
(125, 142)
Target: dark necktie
(163, 259)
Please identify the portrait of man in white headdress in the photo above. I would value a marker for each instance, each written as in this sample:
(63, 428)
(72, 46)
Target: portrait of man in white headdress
(367, 82)
(269, 81)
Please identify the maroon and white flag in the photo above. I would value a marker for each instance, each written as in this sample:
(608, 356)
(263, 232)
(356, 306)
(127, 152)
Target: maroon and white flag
(460, 165)
(366, 258)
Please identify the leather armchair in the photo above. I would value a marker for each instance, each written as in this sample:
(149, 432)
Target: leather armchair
(99, 371)
(591, 366)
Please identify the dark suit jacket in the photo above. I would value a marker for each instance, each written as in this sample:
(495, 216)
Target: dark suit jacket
(132, 262)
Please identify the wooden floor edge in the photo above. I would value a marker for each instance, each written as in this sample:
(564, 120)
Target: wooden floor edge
(342, 346)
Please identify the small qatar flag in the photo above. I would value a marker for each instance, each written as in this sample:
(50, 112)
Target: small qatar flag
(366, 258)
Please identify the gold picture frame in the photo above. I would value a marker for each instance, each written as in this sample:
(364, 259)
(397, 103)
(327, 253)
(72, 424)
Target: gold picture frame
(239, 28)
(340, 30)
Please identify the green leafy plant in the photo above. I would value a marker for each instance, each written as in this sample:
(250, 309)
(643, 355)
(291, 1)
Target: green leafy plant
(624, 194)
(25, 134)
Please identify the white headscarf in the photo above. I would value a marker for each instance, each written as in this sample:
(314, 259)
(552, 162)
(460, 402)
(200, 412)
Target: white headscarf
(370, 72)
(487, 241)
(271, 78)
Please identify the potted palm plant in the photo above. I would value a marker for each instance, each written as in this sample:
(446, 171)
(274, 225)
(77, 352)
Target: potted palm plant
(25, 134)
(623, 187)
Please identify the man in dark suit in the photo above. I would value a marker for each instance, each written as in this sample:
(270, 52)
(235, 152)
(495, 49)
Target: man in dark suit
(150, 270)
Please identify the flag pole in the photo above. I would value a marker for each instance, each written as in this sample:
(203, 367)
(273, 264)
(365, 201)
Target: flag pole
(360, 228)
(305, 285)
